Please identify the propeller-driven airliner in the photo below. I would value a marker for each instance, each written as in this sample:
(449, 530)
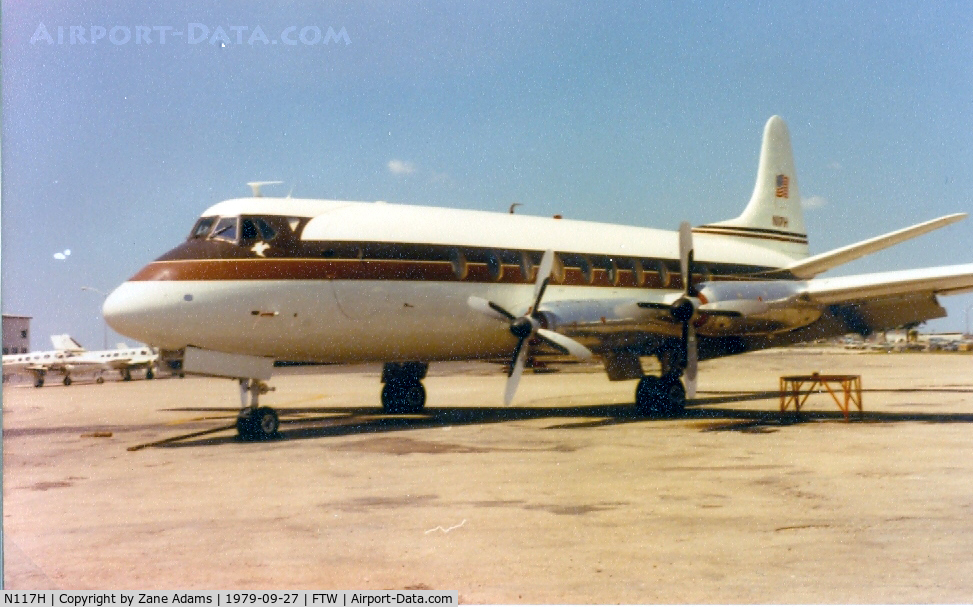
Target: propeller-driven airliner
(261, 279)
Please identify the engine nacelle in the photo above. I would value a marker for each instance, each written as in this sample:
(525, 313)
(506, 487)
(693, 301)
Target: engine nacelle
(753, 307)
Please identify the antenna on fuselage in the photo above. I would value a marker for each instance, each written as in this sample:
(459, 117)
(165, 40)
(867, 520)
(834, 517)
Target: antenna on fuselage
(256, 185)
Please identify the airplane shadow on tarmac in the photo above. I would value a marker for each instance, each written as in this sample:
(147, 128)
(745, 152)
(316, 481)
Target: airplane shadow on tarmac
(301, 423)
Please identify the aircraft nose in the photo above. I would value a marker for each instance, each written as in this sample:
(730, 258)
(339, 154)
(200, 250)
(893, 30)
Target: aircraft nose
(130, 311)
(118, 309)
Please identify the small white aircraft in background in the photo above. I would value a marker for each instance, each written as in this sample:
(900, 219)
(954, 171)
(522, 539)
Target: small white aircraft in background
(38, 364)
(122, 359)
(264, 279)
(69, 357)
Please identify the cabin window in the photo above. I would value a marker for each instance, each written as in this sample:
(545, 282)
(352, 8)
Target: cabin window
(494, 266)
(225, 229)
(558, 273)
(526, 266)
(458, 261)
(611, 269)
(202, 227)
(638, 272)
(664, 276)
(584, 264)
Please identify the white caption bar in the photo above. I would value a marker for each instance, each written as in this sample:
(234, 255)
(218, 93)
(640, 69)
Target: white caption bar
(340, 598)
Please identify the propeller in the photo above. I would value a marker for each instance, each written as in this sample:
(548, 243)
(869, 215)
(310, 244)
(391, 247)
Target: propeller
(528, 326)
(684, 308)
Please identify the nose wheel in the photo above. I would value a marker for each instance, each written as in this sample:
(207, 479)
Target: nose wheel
(255, 422)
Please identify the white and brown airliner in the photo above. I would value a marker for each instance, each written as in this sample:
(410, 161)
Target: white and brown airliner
(262, 279)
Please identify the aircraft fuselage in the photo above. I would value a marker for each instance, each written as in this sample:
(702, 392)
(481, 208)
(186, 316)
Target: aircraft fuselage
(346, 282)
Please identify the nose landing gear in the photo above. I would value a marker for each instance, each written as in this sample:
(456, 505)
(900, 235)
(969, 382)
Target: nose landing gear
(255, 422)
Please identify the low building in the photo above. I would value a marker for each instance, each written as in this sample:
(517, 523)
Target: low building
(16, 334)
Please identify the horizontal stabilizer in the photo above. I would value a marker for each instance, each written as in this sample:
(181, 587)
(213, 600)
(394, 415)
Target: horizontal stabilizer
(942, 280)
(812, 266)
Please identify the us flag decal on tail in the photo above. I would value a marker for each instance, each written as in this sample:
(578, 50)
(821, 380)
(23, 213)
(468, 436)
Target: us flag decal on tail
(782, 182)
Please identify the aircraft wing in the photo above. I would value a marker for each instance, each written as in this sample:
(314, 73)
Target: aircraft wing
(118, 363)
(734, 317)
(130, 363)
(941, 280)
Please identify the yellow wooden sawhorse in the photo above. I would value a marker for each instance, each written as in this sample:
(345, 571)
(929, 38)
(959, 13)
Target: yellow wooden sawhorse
(792, 390)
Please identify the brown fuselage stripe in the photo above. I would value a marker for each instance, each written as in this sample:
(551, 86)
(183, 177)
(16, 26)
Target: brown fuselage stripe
(747, 234)
(396, 270)
(773, 231)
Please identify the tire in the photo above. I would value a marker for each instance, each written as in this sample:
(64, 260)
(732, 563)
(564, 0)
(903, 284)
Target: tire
(674, 397)
(647, 396)
(660, 396)
(403, 396)
(39, 382)
(261, 424)
(265, 423)
(67, 380)
(149, 374)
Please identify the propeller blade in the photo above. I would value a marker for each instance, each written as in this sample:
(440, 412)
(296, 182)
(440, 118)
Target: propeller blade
(488, 308)
(516, 370)
(572, 347)
(685, 253)
(543, 277)
(692, 361)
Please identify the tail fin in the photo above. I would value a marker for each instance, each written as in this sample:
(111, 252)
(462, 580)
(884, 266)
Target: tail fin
(66, 343)
(773, 218)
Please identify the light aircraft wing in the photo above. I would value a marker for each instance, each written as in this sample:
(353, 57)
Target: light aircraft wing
(118, 363)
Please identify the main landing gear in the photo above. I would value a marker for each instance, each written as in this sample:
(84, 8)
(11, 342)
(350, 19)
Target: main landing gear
(660, 396)
(255, 422)
(663, 396)
(403, 391)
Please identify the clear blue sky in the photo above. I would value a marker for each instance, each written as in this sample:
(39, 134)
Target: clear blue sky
(639, 113)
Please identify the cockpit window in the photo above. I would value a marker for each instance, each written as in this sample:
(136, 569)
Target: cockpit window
(202, 227)
(225, 229)
(253, 228)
